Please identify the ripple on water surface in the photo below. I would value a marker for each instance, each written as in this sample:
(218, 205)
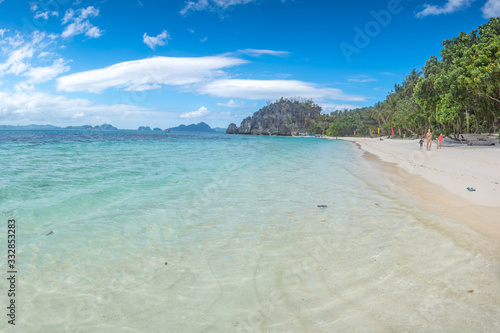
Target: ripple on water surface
(190, 232)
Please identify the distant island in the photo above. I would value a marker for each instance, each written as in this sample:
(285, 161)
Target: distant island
(103, 127)
(200, 127)
(34, 127)
(285, 117)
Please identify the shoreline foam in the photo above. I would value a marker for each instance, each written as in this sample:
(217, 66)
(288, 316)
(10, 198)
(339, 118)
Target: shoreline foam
(438, 179)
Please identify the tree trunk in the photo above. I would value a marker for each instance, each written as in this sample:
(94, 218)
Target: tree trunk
(495, 118)
(467, 115)
(477, 122)
(409, 130)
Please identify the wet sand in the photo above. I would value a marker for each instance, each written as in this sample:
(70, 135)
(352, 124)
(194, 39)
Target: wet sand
(438, 179)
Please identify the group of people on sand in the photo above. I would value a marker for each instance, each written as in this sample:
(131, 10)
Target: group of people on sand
(428, 137)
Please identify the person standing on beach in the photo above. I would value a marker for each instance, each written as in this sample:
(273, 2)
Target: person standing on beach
(440, 138)
(428, 136)
(421, 143)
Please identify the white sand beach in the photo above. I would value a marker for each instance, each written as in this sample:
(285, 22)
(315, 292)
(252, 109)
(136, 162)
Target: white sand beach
(439, 178)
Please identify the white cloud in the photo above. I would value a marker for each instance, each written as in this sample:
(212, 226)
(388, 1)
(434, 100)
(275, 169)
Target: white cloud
(272, 89)
(258, 53)
(90, 11)
(194, 6)
(68, 16)
(211, 5)
(20, 51)
(35, 107)
(43, 74)
(148, 74)
(93, 32)
(361, 78)
(201, 112)
(450, 7)
(153, 42)
(203, 39)
(45, 15)
(491, 9)
(80, 23)
(232, 104)
(17, 61)
(330, 107)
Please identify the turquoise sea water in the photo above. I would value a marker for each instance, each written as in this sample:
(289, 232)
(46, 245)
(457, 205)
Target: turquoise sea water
(188, 232)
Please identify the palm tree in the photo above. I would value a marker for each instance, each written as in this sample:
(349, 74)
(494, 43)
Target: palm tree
(410, 82)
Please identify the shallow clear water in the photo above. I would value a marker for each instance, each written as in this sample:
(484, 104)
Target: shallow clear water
(186, 232)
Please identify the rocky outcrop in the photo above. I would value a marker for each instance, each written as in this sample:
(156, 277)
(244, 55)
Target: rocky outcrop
(232, 129)
(472, 140)
(284, 117)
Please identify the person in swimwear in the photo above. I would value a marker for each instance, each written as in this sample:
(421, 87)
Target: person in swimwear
(428, 136)
(440, 138)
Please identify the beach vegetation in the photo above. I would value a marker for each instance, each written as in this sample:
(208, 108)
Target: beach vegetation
(457, 93)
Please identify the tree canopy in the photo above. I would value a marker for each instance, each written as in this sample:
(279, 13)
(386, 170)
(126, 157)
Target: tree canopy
(458, 93)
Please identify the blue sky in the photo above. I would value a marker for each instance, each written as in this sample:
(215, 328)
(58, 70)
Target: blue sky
(162, 63)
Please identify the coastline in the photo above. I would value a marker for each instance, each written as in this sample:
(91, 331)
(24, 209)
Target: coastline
(438, 179)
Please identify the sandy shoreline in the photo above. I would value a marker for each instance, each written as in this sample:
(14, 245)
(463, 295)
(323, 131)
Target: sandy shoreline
(438, 179)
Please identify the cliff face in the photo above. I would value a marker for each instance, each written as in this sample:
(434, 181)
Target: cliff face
(284, 117)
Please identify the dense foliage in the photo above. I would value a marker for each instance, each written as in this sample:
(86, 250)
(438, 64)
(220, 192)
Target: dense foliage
(459, 93)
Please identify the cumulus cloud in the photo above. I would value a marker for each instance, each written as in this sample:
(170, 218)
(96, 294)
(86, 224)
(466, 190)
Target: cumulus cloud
(79, 23)
(272, 89)
(20, 51)
(201, 112)
(153, 42)
(45, 15)
(491, 9)
(450, 7)
(17, 60)
(232, 104)
(148, 74)
(194, 6)
(43, 74)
